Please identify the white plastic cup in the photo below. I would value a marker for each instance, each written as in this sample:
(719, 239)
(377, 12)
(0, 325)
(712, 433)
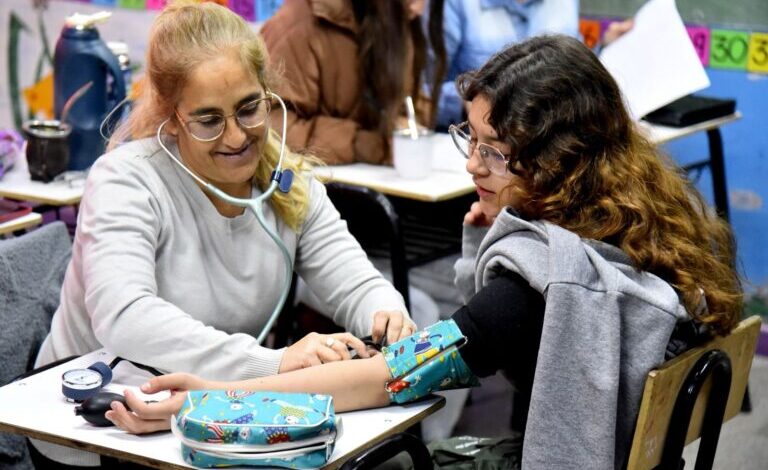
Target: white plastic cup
(412, 157)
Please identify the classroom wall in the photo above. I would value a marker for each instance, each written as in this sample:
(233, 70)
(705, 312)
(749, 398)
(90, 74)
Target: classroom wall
(744, 14)
(745, 142)
(746, 161)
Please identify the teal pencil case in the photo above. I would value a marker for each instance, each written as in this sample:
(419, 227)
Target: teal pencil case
(222, 428)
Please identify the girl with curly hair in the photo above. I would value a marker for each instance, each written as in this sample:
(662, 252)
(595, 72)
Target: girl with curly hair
(587, 261)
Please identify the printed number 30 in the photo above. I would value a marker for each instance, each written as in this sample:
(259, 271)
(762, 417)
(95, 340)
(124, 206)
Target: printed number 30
(729, 49)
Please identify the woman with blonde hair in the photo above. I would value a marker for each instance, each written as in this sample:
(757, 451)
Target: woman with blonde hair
(166, 273)
(588, 260)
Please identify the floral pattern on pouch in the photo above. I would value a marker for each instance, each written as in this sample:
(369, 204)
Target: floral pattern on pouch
(221, 428)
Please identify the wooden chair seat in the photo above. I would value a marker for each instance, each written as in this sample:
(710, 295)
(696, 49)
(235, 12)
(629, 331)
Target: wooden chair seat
(691, 396)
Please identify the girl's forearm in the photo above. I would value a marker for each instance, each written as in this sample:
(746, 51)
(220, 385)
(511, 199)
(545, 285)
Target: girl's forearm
(354, 385)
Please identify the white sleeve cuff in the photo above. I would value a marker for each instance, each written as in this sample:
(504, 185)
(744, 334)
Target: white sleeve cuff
(262, 362)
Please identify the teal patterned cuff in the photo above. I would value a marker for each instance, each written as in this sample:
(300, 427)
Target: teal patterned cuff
(427, 361)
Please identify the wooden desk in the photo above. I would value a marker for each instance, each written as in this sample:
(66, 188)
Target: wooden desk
(410, 221)
(36, 408)
(16, 184)
(448, 179)
(663, 134)
(716, 161)
(29, 220)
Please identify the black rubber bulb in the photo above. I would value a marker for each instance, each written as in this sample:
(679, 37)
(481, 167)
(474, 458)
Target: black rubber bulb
(94, 408)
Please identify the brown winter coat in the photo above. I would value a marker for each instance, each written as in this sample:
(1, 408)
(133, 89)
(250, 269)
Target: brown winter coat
(313, 45)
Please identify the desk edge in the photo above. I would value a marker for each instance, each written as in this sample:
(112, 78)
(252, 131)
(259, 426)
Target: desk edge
(21, 223)
(397, 429)
(19, 196)
(148, 461)
(88, 447)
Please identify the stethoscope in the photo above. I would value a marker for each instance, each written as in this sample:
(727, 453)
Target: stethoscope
(279, 180)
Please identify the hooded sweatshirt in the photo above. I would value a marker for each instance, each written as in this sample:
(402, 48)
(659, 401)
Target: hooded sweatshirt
(606, 324)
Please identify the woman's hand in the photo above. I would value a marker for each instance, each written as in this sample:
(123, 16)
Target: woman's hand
(477, 217)
(315, 349)
(152, 417)
(392, 323)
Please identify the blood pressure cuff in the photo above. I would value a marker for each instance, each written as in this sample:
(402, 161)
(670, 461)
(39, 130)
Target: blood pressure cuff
(427, 361)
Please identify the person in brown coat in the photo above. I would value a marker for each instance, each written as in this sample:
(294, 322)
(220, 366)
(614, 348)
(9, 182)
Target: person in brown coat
(347, 66)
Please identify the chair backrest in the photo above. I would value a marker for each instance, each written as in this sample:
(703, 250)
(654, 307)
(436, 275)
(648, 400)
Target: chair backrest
(32, 269)
(373, 221)
(663, 386)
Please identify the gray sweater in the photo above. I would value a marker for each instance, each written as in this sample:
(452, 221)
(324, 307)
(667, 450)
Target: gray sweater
(159, 277)
(606, 325)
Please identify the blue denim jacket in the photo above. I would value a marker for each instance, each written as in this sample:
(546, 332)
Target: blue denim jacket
(476, 29)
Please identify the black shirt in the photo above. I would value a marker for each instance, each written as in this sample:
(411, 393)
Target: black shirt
(503, 323)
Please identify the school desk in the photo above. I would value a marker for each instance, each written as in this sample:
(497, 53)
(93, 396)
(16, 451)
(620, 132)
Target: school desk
(17, 184)
(29, 220)
(716, 162)
(35, 407)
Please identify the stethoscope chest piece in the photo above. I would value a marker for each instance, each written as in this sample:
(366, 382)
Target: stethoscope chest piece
(284, 180)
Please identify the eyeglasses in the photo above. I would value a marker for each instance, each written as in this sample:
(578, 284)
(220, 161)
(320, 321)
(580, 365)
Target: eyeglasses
(496, 162)
(211, 126)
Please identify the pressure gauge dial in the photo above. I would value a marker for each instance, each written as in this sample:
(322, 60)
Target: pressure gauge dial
(80, 384)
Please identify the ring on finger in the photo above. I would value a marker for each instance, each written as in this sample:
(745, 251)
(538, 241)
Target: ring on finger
(329, 341)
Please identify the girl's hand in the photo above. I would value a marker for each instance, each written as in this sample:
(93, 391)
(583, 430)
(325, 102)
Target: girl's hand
(477, 217)
(152, 417)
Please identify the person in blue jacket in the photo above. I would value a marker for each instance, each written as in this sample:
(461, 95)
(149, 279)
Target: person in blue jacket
(474, 30)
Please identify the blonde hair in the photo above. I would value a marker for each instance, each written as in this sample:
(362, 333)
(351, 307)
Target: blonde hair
(183, 36)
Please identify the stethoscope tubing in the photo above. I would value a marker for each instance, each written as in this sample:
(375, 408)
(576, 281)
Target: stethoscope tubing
(256, 206)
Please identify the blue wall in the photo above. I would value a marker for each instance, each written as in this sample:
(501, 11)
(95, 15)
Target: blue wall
(745, 143)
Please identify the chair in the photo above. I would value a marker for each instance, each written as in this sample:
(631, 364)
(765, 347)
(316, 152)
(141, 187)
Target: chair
(691, 396)
(373, 220)
(408, 232)
(32, 269)
(688, 397)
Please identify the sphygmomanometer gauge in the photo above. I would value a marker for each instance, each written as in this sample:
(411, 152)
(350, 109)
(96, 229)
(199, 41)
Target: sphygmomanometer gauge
(80, 384)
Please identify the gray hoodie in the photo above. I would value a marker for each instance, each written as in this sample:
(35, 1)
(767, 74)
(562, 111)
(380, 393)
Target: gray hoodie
(606, 324)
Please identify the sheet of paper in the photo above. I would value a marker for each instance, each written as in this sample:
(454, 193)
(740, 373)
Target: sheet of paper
(655, 63)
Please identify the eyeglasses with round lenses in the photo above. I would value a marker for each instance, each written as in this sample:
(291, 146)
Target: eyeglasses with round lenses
(496, 162)
(210, 127)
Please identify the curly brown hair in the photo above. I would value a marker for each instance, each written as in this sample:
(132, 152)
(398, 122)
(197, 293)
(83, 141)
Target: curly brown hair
(585, 167)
